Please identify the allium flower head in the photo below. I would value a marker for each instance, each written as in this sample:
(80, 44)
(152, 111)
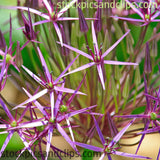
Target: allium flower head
(147, 14)
(48, 83)
(150, 116)
(12, 126)
(52, 16)
(97, 57)
(110, 148)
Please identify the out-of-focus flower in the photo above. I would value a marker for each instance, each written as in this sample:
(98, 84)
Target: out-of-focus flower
(147, 14)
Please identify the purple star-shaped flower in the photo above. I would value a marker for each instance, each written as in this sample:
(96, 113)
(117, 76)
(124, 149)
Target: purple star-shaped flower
(97, 57)
(110, 148)
(147, 14)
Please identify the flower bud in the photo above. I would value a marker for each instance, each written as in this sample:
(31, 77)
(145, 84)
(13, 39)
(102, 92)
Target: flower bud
(82, 21)
(98, 21)
(137, 79)
(125, 92)
(129, 40)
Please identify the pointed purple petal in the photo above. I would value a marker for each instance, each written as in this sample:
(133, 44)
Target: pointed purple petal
(3, 66)
(70, 129)
(75, 112)
(49, 138)
(38, 105)
(100, 73)
(66, 137)
(36, 123)
(81, 68)
(119, 63)
(67, 90)
(80, 111)
(62, 74)
(36, 23)
(3, 126)
(6, 142)
(95, 39)
(58, 33)
(31, 10)
(52, 104)
(109, 157)
(58, 101)
(134, 116)
(90, 147)
(99, 131)
(67, 18)
(6, 110)
(156, 129)
(120, 134)
(48, 7)
(66, 8)
(74, 94)
(34, 97)
(26, 145)
(77, 51)
(44, 65)
(10, 32)
(130, 155)
(142, 137)
(158, 156)
(135, 9)
(37, 79)
(114, 45)
(129, 19)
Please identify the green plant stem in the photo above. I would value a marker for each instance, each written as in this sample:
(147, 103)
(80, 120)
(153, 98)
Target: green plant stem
(119, 92)
(124, 104)
(116, 104)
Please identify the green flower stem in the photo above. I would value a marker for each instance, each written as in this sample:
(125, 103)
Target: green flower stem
(32, 57)
(124, 104)
(116, 104)
(119, 92)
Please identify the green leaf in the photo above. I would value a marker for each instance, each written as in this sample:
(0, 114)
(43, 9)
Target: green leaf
(139, 110)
